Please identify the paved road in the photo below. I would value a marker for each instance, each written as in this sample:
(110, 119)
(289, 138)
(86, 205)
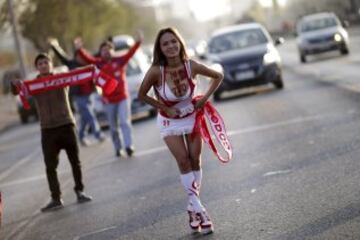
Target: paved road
(295, 172)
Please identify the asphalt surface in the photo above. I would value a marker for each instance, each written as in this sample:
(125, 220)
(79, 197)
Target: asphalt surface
(295, 172)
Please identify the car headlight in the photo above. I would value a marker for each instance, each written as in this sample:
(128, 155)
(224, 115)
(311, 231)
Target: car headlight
(271, 57)
(337, 37)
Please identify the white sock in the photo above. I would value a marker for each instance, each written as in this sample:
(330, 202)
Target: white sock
(190, 186)
(198, 178)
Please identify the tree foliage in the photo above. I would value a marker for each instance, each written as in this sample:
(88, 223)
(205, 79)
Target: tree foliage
(341, 7)
(93, 20)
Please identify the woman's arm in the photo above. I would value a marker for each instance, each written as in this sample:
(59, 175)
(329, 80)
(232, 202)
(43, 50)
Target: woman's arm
(150, 80)
(214, 76)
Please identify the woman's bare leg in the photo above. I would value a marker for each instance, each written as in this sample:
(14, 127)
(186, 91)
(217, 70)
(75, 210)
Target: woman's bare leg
(177, 147)
(194, 146)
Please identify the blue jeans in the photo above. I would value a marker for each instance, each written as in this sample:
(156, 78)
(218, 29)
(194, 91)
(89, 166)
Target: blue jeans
(87, 116)
(120, 113)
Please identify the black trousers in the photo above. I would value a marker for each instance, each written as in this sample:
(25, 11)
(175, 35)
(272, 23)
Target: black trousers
(52, 141)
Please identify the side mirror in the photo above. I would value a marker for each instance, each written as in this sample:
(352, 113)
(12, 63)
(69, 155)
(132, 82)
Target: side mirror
(345, 24)
(279, 41)
(203, 57)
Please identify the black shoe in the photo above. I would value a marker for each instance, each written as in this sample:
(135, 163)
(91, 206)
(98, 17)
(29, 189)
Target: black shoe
(129, 151)
(101, 139)
(119, 154)
(82, 197)
(53, 205)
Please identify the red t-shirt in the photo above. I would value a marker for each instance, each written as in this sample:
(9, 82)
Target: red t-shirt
(115, 68)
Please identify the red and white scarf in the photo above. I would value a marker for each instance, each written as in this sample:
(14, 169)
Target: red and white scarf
(218, 129)
(61, 80)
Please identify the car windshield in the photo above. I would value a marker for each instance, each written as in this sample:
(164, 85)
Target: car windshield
(316, 24)
(237, 40)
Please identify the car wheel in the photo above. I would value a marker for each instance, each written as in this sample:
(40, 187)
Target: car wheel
(153, 112)
(278, 83)
(344, 51)
(303, 58)
(217, 96)
(24, 118)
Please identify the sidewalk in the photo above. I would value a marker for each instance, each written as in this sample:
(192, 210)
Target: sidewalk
(8, 114)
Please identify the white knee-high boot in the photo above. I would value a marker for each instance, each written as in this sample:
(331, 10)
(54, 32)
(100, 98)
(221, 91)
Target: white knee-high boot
(191, 188)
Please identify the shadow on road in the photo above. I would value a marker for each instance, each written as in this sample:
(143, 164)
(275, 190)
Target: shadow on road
(248, 92)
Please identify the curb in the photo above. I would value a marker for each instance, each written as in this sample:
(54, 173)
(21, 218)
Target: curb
(8, 127)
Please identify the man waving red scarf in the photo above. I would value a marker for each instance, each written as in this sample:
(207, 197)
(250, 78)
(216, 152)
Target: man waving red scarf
(56, 81)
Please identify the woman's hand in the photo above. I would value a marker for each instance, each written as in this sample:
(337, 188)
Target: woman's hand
(171, 112)
(200, 103)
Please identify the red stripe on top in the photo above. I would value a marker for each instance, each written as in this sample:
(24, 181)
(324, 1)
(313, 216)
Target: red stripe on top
(164, 99)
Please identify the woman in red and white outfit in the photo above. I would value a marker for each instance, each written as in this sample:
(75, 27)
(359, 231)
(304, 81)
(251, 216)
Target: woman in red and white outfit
(172, 75)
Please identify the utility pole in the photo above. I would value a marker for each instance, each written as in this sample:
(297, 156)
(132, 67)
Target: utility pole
(19, 50)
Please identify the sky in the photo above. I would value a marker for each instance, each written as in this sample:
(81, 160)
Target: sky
(268, 3)
(204, 10)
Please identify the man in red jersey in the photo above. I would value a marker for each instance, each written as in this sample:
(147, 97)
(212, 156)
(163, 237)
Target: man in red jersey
(117, 104)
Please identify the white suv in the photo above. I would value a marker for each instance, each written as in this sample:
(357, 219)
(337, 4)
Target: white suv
(321, 32)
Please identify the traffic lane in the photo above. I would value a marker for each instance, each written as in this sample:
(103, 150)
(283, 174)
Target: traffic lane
(262, 173)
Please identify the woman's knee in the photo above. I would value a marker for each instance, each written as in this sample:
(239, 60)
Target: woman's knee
(184, 164)
(195, 164)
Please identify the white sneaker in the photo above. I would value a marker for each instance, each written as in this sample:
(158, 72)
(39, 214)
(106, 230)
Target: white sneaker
(85, 142)
(205, 222)
(194, 222)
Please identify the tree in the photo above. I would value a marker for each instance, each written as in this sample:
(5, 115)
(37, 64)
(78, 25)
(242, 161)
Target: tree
(93, 20)
(300, 7)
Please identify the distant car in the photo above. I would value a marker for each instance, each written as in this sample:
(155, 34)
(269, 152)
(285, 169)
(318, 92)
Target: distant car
(319, 33)
(247, 55)
(122, 42)
(8, 76)
(135, 72)
(26, 114)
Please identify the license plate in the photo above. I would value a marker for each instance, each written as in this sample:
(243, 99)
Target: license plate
(244, 75)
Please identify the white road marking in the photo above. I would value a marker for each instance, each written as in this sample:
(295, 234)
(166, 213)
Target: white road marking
(95, 232)
(276, 173)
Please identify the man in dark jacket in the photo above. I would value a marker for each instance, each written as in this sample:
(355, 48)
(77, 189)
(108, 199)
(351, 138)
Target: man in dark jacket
(80, 94)
(57, 132)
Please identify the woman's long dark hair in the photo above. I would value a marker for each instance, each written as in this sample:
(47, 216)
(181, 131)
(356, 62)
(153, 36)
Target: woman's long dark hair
(158, 56)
